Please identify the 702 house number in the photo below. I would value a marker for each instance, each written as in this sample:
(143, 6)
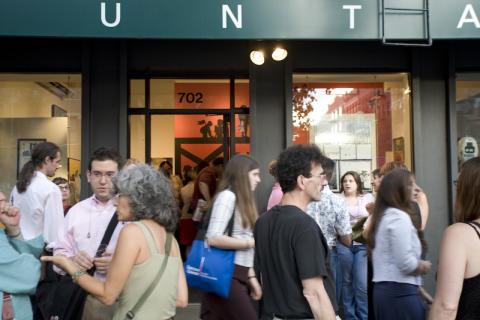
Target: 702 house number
(190, 97)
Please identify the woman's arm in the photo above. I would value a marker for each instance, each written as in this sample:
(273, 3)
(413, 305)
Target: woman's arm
(400, 236)
(423, 204)
(254, 284)
(182, 291)
(451, 273)
(222, 211)
(19, 273)
(126, 254)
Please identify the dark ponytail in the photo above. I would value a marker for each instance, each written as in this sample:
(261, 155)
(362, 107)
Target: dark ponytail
(39, 154)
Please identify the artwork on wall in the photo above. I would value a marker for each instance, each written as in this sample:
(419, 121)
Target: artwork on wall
(24, 151)
(58, 111)
(73, 169)
(399, 149)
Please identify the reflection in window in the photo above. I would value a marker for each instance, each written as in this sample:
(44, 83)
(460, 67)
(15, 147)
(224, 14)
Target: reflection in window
(468, 116)
(361, 121)
(39, 107)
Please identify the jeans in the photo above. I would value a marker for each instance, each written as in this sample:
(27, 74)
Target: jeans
(337, 274)
(353, 262)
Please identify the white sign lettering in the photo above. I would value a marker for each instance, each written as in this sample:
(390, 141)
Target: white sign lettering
(104, 19)
(468, 16)
(352, 9)
(237, 21)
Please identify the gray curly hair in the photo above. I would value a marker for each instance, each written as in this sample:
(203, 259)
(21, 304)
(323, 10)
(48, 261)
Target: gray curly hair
(149, 193)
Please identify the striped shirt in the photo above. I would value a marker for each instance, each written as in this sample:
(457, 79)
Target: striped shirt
(222, 211)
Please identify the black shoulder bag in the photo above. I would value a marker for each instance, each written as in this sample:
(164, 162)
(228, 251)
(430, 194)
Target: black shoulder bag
(69, 297)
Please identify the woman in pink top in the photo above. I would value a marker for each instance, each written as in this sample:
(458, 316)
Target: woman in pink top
(353, 259)
(277, 193)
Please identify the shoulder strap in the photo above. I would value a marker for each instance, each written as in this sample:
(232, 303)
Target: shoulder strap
(206, 221)
(147, 233)
(168, 245)
(106, 238)
(472, 223)
(230, 223)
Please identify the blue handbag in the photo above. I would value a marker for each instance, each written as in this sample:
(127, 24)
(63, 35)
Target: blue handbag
(207, 268)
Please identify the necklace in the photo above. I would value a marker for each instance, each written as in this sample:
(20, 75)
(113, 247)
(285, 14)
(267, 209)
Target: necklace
(89, 224)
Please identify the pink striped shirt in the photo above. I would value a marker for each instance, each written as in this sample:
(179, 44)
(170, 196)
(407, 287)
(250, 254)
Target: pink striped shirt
(85, 225)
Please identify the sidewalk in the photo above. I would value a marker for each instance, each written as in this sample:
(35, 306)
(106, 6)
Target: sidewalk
(189, 313)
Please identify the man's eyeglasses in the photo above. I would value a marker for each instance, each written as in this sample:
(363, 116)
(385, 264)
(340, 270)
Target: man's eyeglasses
(98, 175)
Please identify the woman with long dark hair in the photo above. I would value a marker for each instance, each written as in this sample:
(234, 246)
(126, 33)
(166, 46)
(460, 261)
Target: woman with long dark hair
(353, 259)
(235, 197)
(458, 278)
(396, 250)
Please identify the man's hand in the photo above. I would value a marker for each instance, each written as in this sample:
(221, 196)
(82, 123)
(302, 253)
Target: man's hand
(83, 260)
(103, 263)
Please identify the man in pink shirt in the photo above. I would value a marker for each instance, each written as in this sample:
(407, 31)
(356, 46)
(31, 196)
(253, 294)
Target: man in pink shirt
(86, 224)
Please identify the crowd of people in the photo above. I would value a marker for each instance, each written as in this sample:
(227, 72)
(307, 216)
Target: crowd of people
(314, 254)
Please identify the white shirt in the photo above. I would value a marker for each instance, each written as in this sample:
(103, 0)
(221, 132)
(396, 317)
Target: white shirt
(397, 249)
(85, 225)
(41, 209)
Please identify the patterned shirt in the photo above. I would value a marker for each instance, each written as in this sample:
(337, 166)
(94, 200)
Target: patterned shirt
(331, 215)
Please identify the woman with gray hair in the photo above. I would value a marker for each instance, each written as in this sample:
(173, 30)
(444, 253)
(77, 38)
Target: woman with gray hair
(145, 197)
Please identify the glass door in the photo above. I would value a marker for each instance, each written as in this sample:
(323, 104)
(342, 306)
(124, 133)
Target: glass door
(188, 121)
(189, 139)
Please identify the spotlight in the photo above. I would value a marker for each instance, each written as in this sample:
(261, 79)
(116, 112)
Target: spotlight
(257, 57)
(279, 54)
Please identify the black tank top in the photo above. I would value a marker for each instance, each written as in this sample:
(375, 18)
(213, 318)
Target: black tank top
(469, 305)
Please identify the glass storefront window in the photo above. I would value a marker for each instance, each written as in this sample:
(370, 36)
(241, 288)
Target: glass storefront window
(40, 107)
(187, 135)
(242, 94)
(137, 93)
(468, 116)
(359, 120)
(137, 137)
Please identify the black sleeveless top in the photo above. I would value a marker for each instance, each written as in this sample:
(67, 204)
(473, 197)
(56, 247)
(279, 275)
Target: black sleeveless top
(469, 305)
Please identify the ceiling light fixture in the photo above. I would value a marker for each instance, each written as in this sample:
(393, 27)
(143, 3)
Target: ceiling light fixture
(257, 57)
(279, 54)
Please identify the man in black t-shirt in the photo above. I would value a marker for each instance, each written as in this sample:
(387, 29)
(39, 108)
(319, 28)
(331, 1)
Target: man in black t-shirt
(291, 254)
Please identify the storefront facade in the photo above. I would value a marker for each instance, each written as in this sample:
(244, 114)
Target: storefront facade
(174, 81)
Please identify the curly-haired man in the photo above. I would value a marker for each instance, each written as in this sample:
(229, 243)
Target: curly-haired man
(291, 254)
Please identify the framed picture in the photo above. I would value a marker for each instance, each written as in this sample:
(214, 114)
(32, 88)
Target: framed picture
(399, 149)
(73, 169)
(24, 151)
(58, 111)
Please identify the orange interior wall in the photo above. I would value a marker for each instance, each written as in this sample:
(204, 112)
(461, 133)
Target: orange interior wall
(213, 96)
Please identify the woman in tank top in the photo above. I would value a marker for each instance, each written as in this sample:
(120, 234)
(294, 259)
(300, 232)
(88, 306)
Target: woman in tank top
(458, 279)
(145, 197)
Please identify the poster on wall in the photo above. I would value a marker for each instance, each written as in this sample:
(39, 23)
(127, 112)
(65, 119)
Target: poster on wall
(399, 149)
(24, 151)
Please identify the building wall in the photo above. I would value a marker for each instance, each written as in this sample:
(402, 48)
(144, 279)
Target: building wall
(106, 65)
